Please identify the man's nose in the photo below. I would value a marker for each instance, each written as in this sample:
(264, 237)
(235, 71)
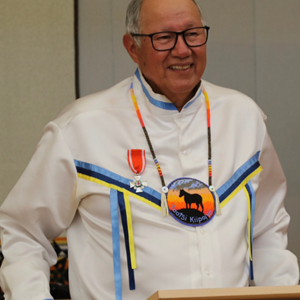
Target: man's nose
(181, 48)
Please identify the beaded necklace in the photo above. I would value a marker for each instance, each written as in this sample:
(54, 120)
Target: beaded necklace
(164, 187)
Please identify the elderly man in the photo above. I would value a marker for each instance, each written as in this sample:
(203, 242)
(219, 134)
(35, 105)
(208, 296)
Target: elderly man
(164, 181)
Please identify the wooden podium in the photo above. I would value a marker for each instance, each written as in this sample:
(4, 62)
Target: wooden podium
(257, 293)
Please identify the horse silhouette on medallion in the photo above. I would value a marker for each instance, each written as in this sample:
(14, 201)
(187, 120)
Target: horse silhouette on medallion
(191, 198)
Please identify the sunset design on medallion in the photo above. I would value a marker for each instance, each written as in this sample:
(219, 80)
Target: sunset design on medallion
(190, 201)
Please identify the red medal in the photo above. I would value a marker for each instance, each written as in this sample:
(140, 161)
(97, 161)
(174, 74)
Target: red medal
(137, 163)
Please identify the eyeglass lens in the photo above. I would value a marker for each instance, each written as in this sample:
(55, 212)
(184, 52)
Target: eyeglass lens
(166, 40)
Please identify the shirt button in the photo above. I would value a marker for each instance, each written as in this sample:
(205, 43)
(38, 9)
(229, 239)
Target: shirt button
(207, 273)
(202, 231)
(184, 152)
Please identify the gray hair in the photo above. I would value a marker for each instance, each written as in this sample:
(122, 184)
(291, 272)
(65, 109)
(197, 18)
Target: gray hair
(133, 16)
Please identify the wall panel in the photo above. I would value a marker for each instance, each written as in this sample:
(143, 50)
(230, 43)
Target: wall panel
(231, 44)
(96, 49)
(36, 77)
(123, 65)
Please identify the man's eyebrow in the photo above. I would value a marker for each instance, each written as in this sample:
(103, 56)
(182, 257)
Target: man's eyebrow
(190, 25)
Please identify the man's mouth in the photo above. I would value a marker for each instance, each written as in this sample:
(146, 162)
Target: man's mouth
(180, 67)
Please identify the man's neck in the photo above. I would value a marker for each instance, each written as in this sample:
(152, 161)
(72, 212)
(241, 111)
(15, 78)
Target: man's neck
(179, 100)
(182, 100)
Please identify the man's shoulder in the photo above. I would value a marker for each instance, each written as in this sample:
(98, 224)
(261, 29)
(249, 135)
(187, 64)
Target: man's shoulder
(112, 98)
(233, 99)
(218, 92)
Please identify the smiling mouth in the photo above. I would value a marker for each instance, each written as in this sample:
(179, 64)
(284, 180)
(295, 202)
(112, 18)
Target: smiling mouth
(180, 67)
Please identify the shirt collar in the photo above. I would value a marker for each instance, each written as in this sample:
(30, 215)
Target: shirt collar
(159, 103)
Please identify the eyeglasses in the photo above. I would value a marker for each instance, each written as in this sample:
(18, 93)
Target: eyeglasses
(167, 40)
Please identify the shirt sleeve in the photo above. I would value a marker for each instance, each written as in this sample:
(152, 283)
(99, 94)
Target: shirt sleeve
(273, 264)
(41, 205)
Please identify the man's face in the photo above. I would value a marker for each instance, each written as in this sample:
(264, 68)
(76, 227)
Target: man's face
(174, 73)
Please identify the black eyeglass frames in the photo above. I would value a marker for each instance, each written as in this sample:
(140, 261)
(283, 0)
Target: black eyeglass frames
(167, 40)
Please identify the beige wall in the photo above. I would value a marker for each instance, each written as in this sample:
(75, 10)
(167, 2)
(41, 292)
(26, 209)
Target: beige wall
(36, 77)
(253, 47)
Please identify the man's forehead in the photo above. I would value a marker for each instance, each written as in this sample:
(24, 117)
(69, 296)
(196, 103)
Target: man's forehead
(158, 13)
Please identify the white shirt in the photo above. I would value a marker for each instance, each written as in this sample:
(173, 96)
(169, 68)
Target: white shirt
(80, 169)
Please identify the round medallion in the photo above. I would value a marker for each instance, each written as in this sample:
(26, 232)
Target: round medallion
(191, 202)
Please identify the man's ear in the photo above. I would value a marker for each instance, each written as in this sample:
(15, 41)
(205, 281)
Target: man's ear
(131, 47)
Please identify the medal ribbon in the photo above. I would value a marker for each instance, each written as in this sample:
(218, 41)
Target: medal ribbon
(147, 137)
(136, 160)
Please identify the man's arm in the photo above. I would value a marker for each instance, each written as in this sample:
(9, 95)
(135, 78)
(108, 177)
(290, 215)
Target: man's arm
(40, 206)
(273, 263)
